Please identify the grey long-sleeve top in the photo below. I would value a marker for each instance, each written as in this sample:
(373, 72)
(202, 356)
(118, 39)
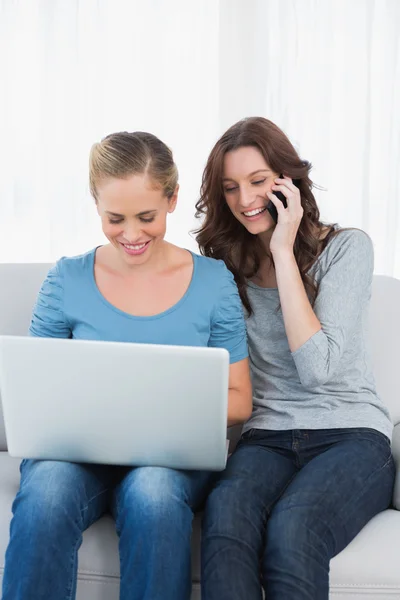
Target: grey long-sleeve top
(328, 382)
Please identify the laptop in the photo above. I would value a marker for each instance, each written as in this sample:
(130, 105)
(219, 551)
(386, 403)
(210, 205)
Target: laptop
(115, 403)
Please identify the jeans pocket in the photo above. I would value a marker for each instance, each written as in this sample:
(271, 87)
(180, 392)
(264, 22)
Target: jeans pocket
(376, 437)
(247, 435)
(379, 446)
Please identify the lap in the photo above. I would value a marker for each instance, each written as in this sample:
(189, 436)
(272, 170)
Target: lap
(61, 482)
(338, 491)
(254, 478)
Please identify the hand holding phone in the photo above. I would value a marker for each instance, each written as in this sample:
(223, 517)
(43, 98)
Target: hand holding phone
(271, 206)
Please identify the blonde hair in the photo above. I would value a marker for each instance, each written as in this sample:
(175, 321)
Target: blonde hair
(120, 155)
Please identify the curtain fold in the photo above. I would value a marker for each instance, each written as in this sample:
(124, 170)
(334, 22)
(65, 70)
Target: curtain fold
(327, 72)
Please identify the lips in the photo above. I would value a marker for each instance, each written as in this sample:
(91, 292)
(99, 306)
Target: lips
(255, 213)
(135, 249)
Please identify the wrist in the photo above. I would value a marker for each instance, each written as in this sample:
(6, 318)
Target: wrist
(283, 255)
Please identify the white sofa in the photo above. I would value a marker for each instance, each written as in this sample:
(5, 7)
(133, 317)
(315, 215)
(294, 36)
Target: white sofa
(369, 568)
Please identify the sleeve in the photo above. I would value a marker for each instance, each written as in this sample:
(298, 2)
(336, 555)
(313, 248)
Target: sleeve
(48, 318)
(343, 293)
(228, 329)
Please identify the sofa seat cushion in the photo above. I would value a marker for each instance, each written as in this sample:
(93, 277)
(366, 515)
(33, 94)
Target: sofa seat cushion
(98, 556)
(368, 565)
(367, 568)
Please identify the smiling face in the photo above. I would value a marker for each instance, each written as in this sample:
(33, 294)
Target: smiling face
(246, 180)
(133, 214)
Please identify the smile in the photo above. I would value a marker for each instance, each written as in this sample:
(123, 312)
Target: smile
(135, 249)
(255, 212)
(138, 247)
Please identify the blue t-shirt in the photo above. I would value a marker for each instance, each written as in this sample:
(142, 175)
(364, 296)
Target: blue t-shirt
(210, 313)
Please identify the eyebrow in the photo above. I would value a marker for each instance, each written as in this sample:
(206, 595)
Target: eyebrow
(251, 174)
(141, 214)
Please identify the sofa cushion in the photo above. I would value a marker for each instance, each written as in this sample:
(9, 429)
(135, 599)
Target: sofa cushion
(384, 318)
(368, 564)
(19, 286)
(368, 567)
(98, 556)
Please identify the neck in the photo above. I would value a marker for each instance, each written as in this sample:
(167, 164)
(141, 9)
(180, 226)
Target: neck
(156, 262)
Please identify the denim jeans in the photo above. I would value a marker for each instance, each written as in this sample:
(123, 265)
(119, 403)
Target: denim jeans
(153, 509)
(287, 503)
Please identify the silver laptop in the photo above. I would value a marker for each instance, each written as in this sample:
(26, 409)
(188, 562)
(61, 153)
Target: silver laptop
(115, 403)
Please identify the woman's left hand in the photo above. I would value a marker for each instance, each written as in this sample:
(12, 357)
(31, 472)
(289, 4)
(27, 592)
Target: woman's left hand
(289, 218)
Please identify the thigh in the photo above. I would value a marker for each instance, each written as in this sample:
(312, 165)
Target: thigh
(236, 512)
(256, 475)
(336, 493)
(53, 486)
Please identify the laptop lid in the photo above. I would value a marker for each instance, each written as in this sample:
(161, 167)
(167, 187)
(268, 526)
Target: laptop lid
(115, 403)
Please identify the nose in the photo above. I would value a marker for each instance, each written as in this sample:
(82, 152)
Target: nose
(131, 233)
(247, 198)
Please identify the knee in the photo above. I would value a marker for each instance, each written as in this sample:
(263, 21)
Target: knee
(232, 514)
(223, 510)
(297, 531)
(155, 493)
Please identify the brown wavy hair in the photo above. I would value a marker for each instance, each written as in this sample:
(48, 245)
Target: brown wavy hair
(222, 236)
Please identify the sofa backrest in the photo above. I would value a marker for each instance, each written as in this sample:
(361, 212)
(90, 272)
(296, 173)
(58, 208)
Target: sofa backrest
(384, 337)
(19, 286)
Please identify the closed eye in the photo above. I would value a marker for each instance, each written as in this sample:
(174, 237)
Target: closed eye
(142, 219)
(233, 188)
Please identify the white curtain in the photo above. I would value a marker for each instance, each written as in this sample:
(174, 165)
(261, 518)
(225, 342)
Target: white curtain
(71, 71)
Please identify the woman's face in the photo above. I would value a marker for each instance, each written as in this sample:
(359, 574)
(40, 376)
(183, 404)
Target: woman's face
(246, 180)
(134, 216)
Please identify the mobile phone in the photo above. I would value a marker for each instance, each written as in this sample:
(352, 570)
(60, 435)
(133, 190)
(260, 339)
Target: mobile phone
(271, 208)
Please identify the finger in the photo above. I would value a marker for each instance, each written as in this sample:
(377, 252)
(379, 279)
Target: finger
(287, 181)
(277, 203)
(282, 188)
(290, 196)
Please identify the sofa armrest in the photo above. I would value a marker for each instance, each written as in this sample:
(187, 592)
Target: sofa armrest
(396, 455)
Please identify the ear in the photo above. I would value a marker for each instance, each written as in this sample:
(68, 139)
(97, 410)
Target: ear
(172, 202)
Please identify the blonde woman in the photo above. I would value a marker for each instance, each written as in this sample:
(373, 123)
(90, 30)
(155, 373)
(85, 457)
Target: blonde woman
(137, 288)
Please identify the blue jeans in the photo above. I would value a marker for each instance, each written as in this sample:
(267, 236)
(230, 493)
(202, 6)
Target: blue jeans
(287, 503)
(153, 509)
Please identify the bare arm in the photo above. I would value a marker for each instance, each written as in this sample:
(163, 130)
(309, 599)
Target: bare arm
(301, 323)
(228, 330)
(240, 393)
